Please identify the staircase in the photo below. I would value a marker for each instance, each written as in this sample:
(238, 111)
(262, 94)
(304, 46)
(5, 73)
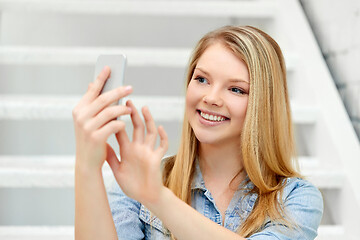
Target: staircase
(48, 49)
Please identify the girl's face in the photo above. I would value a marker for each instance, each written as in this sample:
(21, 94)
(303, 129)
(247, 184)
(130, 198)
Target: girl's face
(217, 96)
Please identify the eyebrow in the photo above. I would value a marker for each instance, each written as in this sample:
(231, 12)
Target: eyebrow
(231, 80)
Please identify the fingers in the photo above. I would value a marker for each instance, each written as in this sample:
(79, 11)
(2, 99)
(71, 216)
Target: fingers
(100, 81)
(106, 99)
(163, 147)
(151, 131)
(112, 159)
(104, 133)
(91, 103)
(95, 87)
(107, 115)
(122, 138)
(138, 132)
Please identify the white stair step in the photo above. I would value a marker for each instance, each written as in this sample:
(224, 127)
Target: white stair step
(37, 232)
(325, 232)
(50, 107)
(58, 171)
(304, 114)
(321, 175)
(139, 56)
(165, 108)
(245, 9)
(331, 232)
(325, 179)
(41, 171)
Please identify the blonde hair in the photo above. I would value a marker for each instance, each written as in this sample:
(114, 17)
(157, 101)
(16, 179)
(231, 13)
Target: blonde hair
(267, 143)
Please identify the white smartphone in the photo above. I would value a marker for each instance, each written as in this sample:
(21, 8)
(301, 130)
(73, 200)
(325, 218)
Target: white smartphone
(117, 64)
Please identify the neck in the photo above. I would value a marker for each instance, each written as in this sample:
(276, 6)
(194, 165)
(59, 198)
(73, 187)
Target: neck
(221, 163)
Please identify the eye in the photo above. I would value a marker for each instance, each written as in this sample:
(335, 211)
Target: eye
(201, 79)
(237, 90)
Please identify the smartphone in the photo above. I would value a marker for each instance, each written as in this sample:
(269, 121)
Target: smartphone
(117, 64)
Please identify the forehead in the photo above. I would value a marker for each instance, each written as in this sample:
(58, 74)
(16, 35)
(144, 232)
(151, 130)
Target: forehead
(219, 61)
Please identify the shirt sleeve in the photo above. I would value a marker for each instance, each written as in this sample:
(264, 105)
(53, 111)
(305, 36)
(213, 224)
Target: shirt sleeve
(303, 205)
(125, 212)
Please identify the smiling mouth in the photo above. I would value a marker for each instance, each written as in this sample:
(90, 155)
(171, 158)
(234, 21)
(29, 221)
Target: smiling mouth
(211, 117)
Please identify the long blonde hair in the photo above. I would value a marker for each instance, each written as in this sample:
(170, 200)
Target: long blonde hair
(267, 143)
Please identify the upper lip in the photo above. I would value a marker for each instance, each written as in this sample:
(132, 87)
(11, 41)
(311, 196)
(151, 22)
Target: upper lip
(213, 113)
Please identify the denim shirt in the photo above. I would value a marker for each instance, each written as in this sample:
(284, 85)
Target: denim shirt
(302, 202)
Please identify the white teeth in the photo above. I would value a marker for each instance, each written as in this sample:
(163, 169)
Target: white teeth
(212, 117)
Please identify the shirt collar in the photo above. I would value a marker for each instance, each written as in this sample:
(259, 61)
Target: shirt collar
(198, 181)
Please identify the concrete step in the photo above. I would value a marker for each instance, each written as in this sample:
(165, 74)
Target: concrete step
(331, 232)
(137, 56)
(41, 171)
(52, 107)
(322, 175)
(165, 108)
(37, 232)
(325, 232)
(58, 171)
(260, 9)
(140, 56)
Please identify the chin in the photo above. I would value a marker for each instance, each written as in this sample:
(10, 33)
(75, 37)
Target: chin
(205, 139)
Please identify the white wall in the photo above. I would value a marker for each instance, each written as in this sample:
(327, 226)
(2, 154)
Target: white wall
(336, 25)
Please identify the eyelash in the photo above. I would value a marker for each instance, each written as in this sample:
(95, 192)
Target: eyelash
(239, 91)
(200, 78)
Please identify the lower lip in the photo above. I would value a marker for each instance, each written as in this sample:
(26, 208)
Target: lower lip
(209, 123)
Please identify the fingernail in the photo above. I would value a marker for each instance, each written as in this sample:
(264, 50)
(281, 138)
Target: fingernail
(128, 88)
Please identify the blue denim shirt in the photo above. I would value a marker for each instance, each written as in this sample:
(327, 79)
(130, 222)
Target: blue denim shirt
(302, 201)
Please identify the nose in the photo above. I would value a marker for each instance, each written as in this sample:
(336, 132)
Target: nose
(213, 97)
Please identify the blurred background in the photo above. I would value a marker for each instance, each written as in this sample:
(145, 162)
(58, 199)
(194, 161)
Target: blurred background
(48, 50)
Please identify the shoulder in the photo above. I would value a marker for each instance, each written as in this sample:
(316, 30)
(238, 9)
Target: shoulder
(303, 203)
(300, 189)
(303, 207)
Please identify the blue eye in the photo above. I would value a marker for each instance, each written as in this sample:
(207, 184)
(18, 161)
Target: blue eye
(237, 90)
(201, 80)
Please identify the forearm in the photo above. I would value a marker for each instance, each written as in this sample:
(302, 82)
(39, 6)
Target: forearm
(93, 219)
(185, 222)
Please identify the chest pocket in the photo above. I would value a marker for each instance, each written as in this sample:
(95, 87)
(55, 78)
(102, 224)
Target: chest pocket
(153, 225)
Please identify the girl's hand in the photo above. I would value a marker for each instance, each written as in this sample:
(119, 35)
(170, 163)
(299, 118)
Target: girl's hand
(95, 120)
(139, 172)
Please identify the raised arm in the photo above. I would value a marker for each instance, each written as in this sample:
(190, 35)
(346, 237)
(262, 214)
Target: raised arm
(139, 176)
(94, 121)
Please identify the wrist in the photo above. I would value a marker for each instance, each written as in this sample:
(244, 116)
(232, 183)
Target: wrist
(161, 202)
(86, 169)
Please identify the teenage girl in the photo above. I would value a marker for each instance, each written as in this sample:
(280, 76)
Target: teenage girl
(233, 176)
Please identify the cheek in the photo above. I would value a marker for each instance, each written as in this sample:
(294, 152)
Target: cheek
(240, 110)
(191, 96)
(189, 105)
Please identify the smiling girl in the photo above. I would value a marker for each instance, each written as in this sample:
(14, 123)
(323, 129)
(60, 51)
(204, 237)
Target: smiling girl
(233, 176)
